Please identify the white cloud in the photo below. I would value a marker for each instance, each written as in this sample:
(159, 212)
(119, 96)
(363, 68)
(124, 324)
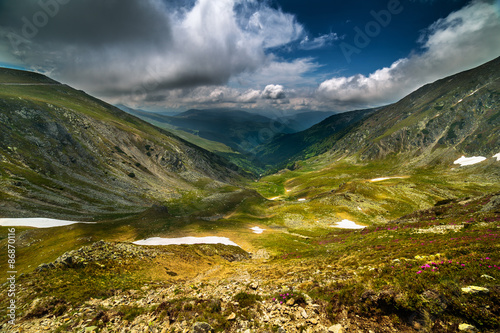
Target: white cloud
(271, 97)
(274, 91)
(273, 28)
(464, 39)
(286, 73)
(318, 42)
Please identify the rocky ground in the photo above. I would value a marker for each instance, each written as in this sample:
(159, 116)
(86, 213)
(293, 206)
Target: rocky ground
(435, 270)
(236, 294)
(243, 301)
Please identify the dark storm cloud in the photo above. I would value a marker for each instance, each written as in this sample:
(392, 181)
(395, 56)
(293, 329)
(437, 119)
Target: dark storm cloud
(88, 23)
(88, 43)
(117, 47)
(155, 51)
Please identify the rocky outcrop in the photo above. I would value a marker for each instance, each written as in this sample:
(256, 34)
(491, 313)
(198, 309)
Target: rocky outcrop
(101, 251)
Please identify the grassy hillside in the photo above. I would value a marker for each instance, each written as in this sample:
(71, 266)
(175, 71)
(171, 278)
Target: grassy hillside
(289, 148)
(63, 153)
(437, 123)
(413, 274)
(240, 130)
(243, 159)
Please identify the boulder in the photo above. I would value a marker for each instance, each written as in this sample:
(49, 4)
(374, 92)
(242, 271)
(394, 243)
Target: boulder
(201, 327)
(466, 328)
(336, 329)
(475, 290)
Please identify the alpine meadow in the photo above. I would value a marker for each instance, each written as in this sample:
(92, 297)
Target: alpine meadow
(249, 166)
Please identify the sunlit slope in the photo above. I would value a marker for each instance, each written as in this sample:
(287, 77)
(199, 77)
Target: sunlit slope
(437, 123)
(288, 148)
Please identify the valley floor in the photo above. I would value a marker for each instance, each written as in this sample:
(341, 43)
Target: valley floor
(434, 270)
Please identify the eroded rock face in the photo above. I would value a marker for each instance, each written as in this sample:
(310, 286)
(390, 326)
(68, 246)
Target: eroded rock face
(70, 154)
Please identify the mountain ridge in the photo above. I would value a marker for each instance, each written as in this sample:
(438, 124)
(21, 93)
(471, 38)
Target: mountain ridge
(452, 116)
(89, 156)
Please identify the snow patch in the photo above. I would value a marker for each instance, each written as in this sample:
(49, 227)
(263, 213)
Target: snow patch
(463, 161)
(37, 222)
(302, 199)
(383, 178)
(257, 230)
(185, 240)
(274, 198)
(346, 224)
(497, 156)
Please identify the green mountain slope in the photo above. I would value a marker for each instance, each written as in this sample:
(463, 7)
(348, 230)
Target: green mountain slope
(304, 120)
(161, 121)
(240, 130)
(63, 152)
(241, 159)
(288, 148)
(437, 123)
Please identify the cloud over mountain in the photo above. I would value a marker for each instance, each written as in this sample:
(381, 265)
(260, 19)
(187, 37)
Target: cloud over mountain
(180, 54)
(464, 39)
(118, 47)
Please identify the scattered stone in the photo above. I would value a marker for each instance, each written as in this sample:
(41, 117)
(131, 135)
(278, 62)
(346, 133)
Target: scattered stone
(313, 321)
(202, 328)
(261, 254)
(232, 316)
(475, 290)
(290, 302)
(484, 276)
(492, 205)
(254, 285)
(336, 329)
(91, 329)
(467, 328)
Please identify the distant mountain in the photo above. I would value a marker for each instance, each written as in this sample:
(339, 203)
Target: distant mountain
(65, 153)
(454, 116)
(437, 123)
(287, 148)
(240, 130)
(304, 120)
(159, 120)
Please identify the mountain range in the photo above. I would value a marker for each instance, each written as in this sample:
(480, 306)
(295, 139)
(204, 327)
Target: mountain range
(59, 145)
(361, 222)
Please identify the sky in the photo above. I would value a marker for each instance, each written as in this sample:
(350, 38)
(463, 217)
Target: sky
(263, 55)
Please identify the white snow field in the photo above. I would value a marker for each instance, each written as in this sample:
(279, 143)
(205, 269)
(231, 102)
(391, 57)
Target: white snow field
(257, 230)
(36, 222)
(346, 224)
(185, 240)
(463, 161)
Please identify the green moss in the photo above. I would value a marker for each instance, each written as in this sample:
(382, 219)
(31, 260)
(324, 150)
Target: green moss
(245, 299)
